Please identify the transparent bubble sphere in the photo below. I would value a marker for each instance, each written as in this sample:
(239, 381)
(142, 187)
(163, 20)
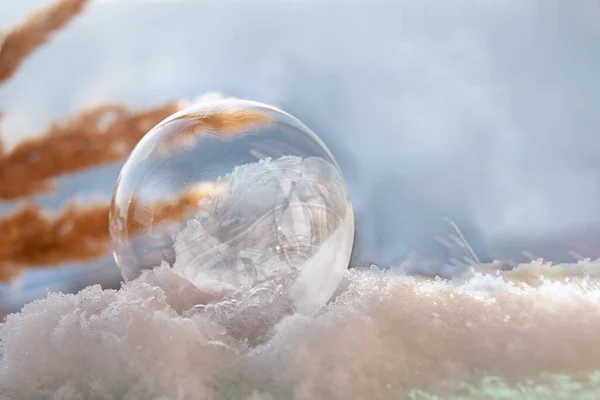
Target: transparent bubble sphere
(235, 196)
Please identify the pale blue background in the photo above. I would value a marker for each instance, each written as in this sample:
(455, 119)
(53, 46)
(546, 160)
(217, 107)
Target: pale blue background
(482, 111)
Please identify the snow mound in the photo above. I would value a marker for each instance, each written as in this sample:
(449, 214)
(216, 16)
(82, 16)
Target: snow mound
(381, 337)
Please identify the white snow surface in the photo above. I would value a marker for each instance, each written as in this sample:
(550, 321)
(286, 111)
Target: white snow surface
(381, 336)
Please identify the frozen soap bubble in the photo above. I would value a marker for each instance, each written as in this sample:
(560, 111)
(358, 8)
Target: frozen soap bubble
(235, 196)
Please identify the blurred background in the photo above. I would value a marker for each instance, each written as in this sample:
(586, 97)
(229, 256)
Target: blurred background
(482, 112)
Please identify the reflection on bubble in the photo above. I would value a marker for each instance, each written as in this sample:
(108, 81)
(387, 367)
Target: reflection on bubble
(235, 196)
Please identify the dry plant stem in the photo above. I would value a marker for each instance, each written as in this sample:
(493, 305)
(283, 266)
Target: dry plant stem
(98, 136)
(32, 237)
(169, 209)
(94, 137)
(184, 130)
(19, 42)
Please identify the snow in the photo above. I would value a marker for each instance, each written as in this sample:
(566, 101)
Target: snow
(381, 336)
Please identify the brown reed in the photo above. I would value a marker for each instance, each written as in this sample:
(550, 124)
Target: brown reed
(32, 236)
(184, 130)
(97, 136)
(20, 41)
(94, 137)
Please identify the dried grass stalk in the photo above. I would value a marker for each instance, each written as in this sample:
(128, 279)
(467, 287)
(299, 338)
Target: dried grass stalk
(32, 237)
(100, 136)
(19, 42)
(184, 130)
(94, 137)
(149, 216)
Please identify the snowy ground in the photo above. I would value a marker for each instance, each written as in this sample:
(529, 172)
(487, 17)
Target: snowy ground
(381, 337)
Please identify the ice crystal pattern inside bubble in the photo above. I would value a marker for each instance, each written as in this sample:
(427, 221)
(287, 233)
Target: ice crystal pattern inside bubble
(235, 195)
